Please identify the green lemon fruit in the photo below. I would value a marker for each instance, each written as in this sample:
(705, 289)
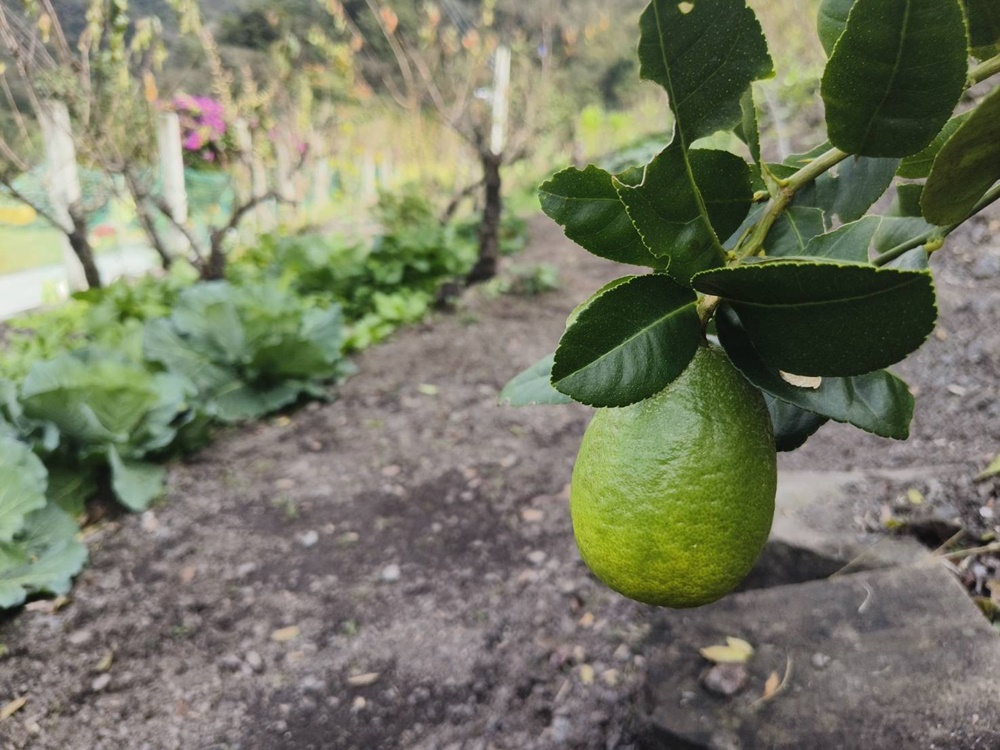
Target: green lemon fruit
(672, 498)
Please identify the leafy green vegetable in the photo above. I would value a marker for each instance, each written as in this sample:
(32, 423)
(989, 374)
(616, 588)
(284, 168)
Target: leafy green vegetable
(22, 486)
(41, 560)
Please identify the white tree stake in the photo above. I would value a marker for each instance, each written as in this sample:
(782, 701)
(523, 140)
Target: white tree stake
(62, 181)
(169, 143)
(501, 99)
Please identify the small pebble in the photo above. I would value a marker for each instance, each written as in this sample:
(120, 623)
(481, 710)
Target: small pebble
(820, 661)
(309, 539)
(254, 661)
(101, 683)
(726, 679)
(391, 573)
(537, 557)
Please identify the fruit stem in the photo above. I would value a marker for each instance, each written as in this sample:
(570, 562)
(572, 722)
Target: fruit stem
(707, 306)
(984, 70)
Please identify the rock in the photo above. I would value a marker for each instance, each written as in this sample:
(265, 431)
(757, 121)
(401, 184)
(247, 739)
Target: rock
(312, 685)
(912, 663)
(560, 730)
(391, 573)
(726, 680)
(254, 661)
(80, 637)
(802, 546)
(820, 661)
(987, 267)
(100, 683)
(537, 557)
(309, 539)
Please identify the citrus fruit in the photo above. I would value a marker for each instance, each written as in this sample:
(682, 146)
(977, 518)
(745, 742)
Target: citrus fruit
(672, 498)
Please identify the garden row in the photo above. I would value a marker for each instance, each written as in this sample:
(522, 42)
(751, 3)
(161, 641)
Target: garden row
(98, 394)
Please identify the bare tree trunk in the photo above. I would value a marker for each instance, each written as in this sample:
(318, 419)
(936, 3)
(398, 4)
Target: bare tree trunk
(80, 242)
(489, 230)
(214, 269)
(142, 212)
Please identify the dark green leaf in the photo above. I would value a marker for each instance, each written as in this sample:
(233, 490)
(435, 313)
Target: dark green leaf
(857, 185)
(895, 231)
(895, 76)
(832, 22)
(878, 402)
(749, 126)
(629, 344)
(682, 221)
(705, 54)
(792, 426)
(793, 231)
(918, 166)
(967, 166)
(913, 260)
(907, 203)
(824, 318)
(533, 387)
(984, 22)
(586, 303)
(587, 206)
(850, 242)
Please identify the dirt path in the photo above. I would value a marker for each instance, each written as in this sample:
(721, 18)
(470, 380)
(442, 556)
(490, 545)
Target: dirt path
(397, 569)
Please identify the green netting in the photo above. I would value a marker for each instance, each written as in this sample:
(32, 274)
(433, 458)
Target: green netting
(210, 197)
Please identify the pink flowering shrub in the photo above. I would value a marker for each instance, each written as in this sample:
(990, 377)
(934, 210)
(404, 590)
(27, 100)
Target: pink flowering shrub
(207, 139)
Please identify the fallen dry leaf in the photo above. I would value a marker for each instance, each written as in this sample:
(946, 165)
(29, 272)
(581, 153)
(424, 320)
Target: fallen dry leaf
(736, 651)
(587, 674)
(104, 665)
(286, 634)
(363, 680)
(48, 606)
(771, 686)
(802, 381)
(12, 708)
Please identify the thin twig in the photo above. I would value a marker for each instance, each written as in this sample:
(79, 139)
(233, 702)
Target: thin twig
(963, 553)
(781, 685)
(168, 213)
(951, 540)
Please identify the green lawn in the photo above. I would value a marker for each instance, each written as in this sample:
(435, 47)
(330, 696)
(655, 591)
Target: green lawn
(22, 248)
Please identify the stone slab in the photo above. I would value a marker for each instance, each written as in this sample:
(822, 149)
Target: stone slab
(898, 658)
(815, 534)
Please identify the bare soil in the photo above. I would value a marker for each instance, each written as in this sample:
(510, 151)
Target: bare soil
(397, 569)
